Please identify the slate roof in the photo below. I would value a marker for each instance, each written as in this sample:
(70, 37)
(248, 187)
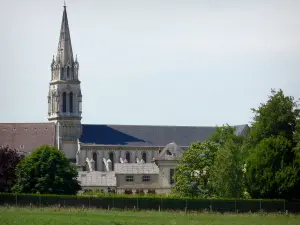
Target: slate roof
(25, 137)
(136, 168)
(140, 135)
(96, 178)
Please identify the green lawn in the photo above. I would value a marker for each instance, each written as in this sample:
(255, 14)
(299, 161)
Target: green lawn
(55, 216)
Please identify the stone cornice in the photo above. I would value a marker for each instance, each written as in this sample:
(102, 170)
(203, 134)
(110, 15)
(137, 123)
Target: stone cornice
(65, 82)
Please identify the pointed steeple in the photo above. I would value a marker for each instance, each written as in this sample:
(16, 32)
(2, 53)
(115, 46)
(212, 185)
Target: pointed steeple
(64, 52)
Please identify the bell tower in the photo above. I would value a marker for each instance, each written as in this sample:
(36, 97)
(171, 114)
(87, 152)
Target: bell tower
(64, 97)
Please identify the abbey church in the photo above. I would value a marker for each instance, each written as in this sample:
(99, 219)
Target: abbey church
(108, 157)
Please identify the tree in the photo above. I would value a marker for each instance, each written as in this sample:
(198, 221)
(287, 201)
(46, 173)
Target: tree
(278, 116)
(273, 162)
(225, 133)
(226, 176)
(8, 161)
(47, 171)
(192, 172)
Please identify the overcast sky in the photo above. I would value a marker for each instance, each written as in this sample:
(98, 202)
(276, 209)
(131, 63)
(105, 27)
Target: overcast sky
(155, 62)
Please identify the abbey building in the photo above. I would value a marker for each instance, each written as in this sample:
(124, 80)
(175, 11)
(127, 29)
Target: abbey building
(119, 157)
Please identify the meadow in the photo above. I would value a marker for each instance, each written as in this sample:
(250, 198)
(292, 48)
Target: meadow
(78, 216)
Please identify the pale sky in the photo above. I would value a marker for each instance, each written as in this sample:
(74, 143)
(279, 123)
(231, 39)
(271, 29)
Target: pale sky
(158, 62)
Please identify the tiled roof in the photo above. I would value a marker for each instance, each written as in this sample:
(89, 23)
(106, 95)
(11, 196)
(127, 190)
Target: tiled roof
(136, 168)
(97, 178)
(25, 137)
(138, 135)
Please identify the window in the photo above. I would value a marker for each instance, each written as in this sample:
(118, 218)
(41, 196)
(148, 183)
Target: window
(129, 179)
(172, 171)
(146, 178)
(95, 159)
(71, 102)
(144, 157)
(64, 102)
(111, 157)
(127, 156)
(68, 72)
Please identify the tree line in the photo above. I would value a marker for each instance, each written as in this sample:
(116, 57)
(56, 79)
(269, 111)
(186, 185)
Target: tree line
(263, 164)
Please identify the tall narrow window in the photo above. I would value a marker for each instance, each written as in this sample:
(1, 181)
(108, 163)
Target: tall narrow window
(144, 157)
(111, 157)
(71, 101)
(172, 171)
(127, 157)
(95, 160)
(64, 102)
(68, 72)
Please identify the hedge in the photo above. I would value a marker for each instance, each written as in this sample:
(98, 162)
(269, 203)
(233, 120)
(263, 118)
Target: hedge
(151, 203)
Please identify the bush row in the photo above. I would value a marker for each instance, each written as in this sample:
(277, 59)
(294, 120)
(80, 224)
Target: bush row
(151, 203)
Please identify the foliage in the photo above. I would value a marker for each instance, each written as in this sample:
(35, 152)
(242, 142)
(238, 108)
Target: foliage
(226, 177)
(225, 133)
(8, 161)
(273, 163)
(192, 172)
(278, 116)
(46, 170)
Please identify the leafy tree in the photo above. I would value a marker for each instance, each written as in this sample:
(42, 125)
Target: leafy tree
(273, 163)
(225, 133)
(226, 176)
(192, 172)
(8, 161)
(47, 171)
(278, 116)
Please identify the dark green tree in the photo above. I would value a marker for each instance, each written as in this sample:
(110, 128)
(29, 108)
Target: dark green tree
(225, 133)
(9, 159)
(192, 173)
(226, 175)
(272, 169)
(46, 170)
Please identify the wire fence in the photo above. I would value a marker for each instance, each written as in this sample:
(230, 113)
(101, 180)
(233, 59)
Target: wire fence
(148, 203)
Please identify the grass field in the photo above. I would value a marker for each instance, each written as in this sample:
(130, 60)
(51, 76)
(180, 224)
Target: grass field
(56, 216)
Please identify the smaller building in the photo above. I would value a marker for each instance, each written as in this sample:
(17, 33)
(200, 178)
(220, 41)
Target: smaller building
(155, 177)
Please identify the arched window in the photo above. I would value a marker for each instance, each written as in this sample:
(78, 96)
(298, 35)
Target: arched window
(144, 157)
(111, 157)
(71, 101)
(95, 160)
(68, 72)
(64, 102)
(127, 156)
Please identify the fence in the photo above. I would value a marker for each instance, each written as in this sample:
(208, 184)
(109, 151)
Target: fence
(152, 203)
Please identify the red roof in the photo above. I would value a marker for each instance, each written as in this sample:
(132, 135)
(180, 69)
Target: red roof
(25, 137)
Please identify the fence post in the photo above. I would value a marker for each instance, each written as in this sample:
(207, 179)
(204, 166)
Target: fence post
(89, 201)
(186, 206)
(40, 200)
(284, 205)
(16, 200)
(137, 202)
(260, 205)
(113, 204)
(161, 204)
(235, 205)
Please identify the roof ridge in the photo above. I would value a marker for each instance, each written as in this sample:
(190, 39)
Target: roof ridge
(144, 125)
(27, 123)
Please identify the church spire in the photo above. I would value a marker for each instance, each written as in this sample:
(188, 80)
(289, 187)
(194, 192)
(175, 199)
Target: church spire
(64, 52)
